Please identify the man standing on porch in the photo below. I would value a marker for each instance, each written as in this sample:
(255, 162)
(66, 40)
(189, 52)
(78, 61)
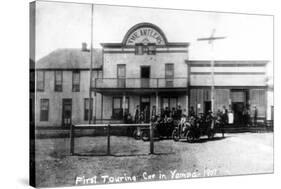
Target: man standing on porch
(137, 114)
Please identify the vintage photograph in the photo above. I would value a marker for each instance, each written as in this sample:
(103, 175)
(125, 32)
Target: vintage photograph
(122, 94)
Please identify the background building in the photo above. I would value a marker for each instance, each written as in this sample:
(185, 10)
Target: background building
(62, 86)
(144, 69)
(238, 85)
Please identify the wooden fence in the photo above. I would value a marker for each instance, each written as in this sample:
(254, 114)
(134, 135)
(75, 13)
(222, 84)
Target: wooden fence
(108, 126)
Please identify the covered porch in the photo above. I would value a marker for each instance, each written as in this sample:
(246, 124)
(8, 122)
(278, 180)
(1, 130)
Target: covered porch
(113, 104)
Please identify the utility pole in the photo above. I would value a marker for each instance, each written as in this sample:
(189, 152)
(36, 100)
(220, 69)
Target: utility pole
(90, 113)
(211, 40)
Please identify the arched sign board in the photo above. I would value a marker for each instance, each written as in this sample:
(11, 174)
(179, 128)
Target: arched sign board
(145, 33)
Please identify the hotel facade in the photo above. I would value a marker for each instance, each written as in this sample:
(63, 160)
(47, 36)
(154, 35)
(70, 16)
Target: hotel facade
(144, 69)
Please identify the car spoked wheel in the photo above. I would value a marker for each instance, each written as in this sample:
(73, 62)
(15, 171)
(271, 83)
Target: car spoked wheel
(137, 134)
(175, 135)
(211, 134)
(145, 136)
(189, 137)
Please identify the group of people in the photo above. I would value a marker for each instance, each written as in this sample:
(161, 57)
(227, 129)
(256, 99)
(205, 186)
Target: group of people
(176, 113)
(245, 117)
(140, 116)
(143, 116)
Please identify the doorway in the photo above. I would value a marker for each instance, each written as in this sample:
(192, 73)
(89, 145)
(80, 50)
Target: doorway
(239, 99)
(145, 108)
(66, 112)
(145, 75)
(207, 106)
(238, 108)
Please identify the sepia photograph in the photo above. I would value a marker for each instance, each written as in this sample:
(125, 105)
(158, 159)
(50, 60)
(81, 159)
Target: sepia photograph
(122, 94)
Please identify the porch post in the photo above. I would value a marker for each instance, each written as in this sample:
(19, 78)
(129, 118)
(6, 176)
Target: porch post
(157, 103)
(123, 104)
(94, 106)
(186, 104)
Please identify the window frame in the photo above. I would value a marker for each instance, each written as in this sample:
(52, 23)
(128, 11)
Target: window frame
(151, 51)
(138, 47)
(57, 87)
(169, 101)
(76, 87)
(115, 116)
(43, 81)
(169, 79)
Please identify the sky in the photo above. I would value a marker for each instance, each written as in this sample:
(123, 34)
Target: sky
(67, 25)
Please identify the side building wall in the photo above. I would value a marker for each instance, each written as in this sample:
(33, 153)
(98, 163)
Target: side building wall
(56, 99)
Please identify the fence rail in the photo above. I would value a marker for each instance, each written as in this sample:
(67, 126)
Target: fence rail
(108, 126)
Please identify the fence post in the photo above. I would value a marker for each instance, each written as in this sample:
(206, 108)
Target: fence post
(151, 138)
(71, 139)
(108, 139)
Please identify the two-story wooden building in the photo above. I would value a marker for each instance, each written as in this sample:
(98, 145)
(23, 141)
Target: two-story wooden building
(144, 69)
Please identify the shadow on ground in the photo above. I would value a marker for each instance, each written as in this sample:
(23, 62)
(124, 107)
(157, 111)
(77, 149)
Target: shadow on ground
(120, 155)
(203, 140)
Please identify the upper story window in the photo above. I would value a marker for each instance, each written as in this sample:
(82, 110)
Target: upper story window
(58, 80)
(151, 48)
(40, 80)
(76, 81)
(169, 71)
(169, 74)
(139, 49)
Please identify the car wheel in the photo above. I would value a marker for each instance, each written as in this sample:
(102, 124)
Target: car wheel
(145, 136)
(175, 135)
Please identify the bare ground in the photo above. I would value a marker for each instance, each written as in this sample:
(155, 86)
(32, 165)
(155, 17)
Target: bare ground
(247, 153)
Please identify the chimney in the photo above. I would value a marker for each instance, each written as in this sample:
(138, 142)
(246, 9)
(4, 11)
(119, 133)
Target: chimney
(84, 46)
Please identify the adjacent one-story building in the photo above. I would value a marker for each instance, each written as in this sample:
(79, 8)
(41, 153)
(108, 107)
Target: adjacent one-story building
(144, 69)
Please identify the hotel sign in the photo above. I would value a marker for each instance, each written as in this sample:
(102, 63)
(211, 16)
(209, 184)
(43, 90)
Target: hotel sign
(145, 35)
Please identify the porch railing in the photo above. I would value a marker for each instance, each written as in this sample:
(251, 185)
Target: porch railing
(140, 83)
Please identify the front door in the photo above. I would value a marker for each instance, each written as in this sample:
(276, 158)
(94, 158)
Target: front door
(238, 108)
(207, 106)
(145, 108)
(66, 112)
(145, 75)
(239, 98)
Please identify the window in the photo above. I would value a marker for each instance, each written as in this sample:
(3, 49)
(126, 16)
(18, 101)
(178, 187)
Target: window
(44, 109)
(76, 81)
(151, 49)
(139, 49)
(58, 81)
(40, 80)
(121, 75)
(117, 109)
(170, 102)
(86, 108)
(169, 74)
